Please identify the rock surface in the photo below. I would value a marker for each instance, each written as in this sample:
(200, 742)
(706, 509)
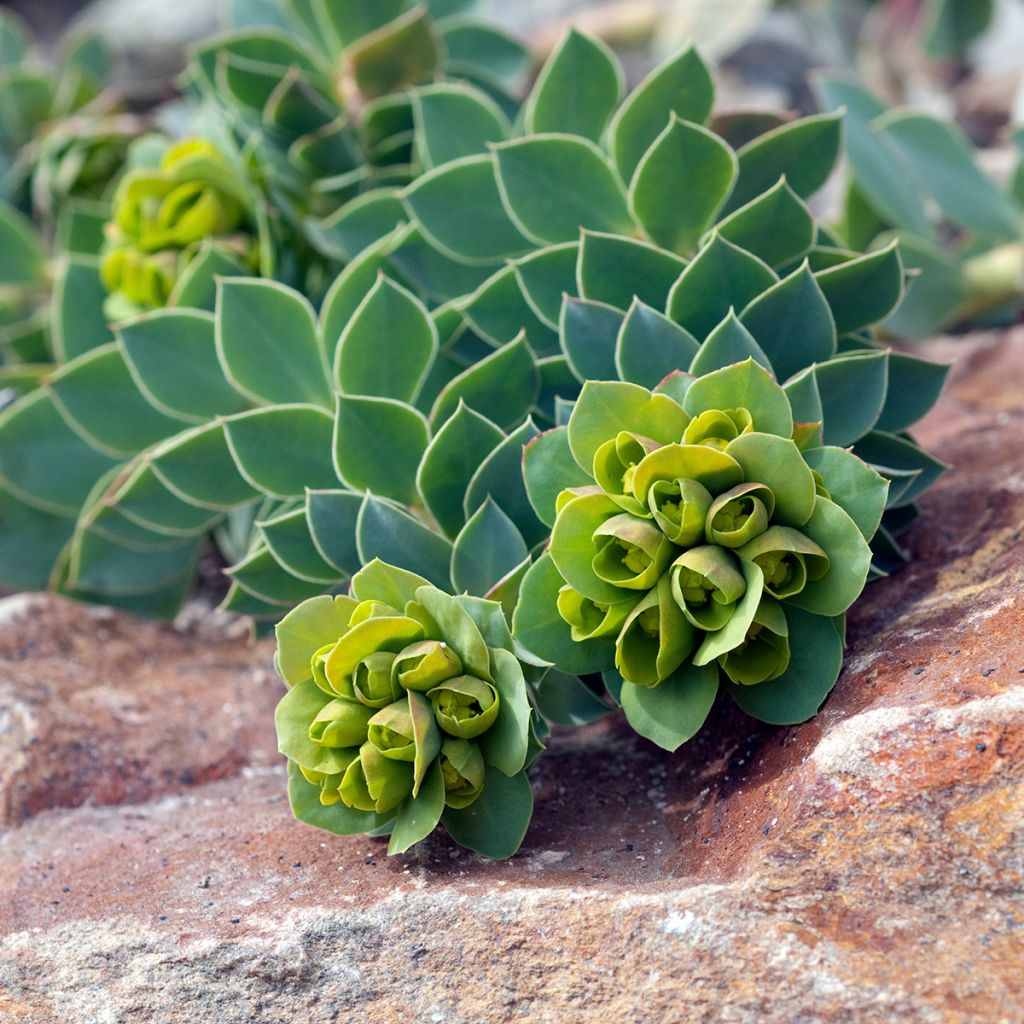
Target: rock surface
(867, 866)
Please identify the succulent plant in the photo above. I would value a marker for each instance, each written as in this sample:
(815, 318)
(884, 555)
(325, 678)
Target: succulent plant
(305, 440)
(499, 209)
(698, 533)
(914, 178)
(36, 97)
(406, 707)
(317, 89)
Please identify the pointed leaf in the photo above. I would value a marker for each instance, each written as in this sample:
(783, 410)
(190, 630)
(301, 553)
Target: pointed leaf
(454, 120)
(387, 533)
(579, 86)
(282, 450)
(685, 160)
(488, 547)
(459, 209)
(500, 476)
(387, 346)
(864, 290)
(378, 444)
(805, 151)
(730, 342)
(792, 322)
(615, 269)
(776, 226)
(650, 346)
(853, 389)
(556, 185)
(452, 457)
(172, 356)
(681, 86)
(98, 397)
(589, 332)
(721, 276)
(267, 342)
(42, 460)
(504, 386)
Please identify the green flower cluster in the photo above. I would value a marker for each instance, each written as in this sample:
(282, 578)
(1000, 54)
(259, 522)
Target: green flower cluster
(161, 217)
(711, 534)
(405, 715)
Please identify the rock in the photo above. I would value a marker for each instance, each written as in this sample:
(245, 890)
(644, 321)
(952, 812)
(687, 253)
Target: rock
(102, 708)
(867, 866)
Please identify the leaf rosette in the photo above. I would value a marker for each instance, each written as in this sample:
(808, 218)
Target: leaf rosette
(709, 538)
(401, 715)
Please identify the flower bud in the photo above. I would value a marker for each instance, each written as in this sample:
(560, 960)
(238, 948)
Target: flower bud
(422, 666)
(391, 732)
(353, 789)
(615, 463)
(318, 666)
(193, 211)
(372, 682)
(787, 558)
(340, 724)
(680, 508)
(706, 584)
(631, 553)
(590, 619)
(655, 639)
(462, 768)
(370, 610)
(739, 515)
(465, 706)
(384, 782)
(715, 428)
(329, 784)
(764, 652)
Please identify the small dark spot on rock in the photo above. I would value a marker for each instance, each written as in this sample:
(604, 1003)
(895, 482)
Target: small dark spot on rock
(205, 883)
(981, 747)
(235, 920)
(186, 778)
(918, 671)
(628, 847)
(56, 903)
(705, 840)
(162, 917)
(986, 672)
(766, 829)
(297, 864)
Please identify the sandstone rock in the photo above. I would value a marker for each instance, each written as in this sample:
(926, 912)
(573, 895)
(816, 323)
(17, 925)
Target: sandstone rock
(99, 707)
(867, 866)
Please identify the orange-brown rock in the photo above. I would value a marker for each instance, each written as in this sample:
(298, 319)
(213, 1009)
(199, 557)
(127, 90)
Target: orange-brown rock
(865, 867)
(103, 708)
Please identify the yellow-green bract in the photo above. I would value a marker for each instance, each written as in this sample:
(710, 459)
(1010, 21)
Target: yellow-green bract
(161, 216)
(713, 538)
(406, 707)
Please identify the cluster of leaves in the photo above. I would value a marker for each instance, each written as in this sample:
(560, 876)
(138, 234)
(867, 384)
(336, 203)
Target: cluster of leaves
(36, 98)
(697, 531)
(406, 707)
(914, 178)
(445, 280)
(317, 91)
